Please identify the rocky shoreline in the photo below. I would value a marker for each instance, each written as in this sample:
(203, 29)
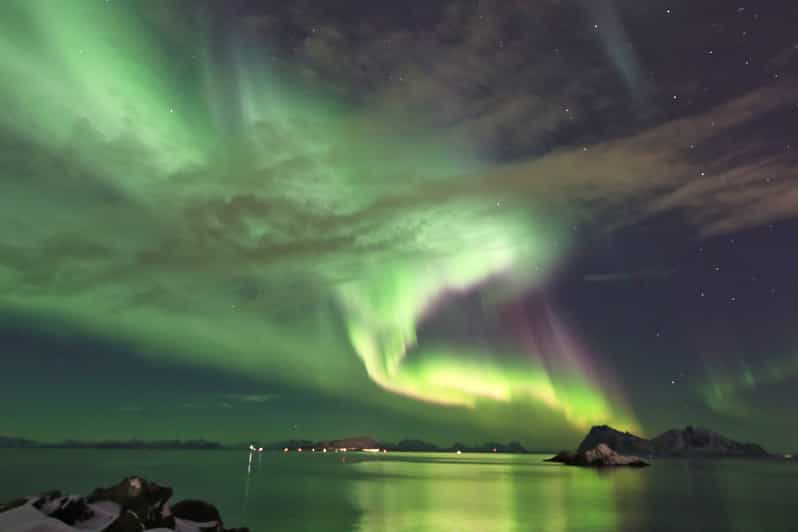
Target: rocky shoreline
(132, 505)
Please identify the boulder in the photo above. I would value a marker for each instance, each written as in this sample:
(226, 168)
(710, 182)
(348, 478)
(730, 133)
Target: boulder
(195, 510)
(127, 521)
(600, 456)
(132, 505)
(144, 498)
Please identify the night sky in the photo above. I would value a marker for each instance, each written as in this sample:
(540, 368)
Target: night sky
(455, 220)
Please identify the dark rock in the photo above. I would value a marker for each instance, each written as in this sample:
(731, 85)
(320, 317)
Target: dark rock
(127, 521)
(601, 456)
(195, 510)
(163, 521)
(16, 503)
(44, 498)
(72, 510)
(143, 506)
(562, 457)
(146, 499)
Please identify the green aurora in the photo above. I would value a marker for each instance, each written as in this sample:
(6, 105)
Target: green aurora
(164, 187)
(217, 207)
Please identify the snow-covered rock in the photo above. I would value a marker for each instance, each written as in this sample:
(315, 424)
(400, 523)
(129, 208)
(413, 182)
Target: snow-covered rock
(599, 456)
(133, 505)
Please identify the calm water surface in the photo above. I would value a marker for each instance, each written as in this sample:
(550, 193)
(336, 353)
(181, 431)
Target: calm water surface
(432, 492)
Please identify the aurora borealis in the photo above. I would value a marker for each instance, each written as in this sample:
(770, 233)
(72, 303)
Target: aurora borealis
(474, 220)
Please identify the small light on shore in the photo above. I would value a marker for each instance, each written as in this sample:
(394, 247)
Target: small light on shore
(459, 451)
(299, 449)
(285, 449)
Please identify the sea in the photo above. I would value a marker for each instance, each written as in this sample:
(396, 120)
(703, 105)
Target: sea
(417, 492)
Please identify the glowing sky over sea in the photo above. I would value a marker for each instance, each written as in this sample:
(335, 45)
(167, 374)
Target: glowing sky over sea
(247, 220)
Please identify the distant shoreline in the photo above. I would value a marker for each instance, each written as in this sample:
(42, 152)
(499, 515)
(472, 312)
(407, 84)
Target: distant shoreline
(772, 457)
(349, 444)
(689, 442)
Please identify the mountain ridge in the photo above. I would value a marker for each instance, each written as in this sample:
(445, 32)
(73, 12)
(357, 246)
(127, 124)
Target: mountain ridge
(690, 442)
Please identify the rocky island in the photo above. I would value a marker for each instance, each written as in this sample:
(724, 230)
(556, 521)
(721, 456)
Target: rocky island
(133, 505)
(606, 446)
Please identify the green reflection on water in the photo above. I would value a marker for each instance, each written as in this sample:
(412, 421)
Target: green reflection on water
(483, 493)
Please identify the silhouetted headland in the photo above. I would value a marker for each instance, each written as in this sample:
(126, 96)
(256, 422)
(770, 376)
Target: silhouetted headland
(604, 445)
